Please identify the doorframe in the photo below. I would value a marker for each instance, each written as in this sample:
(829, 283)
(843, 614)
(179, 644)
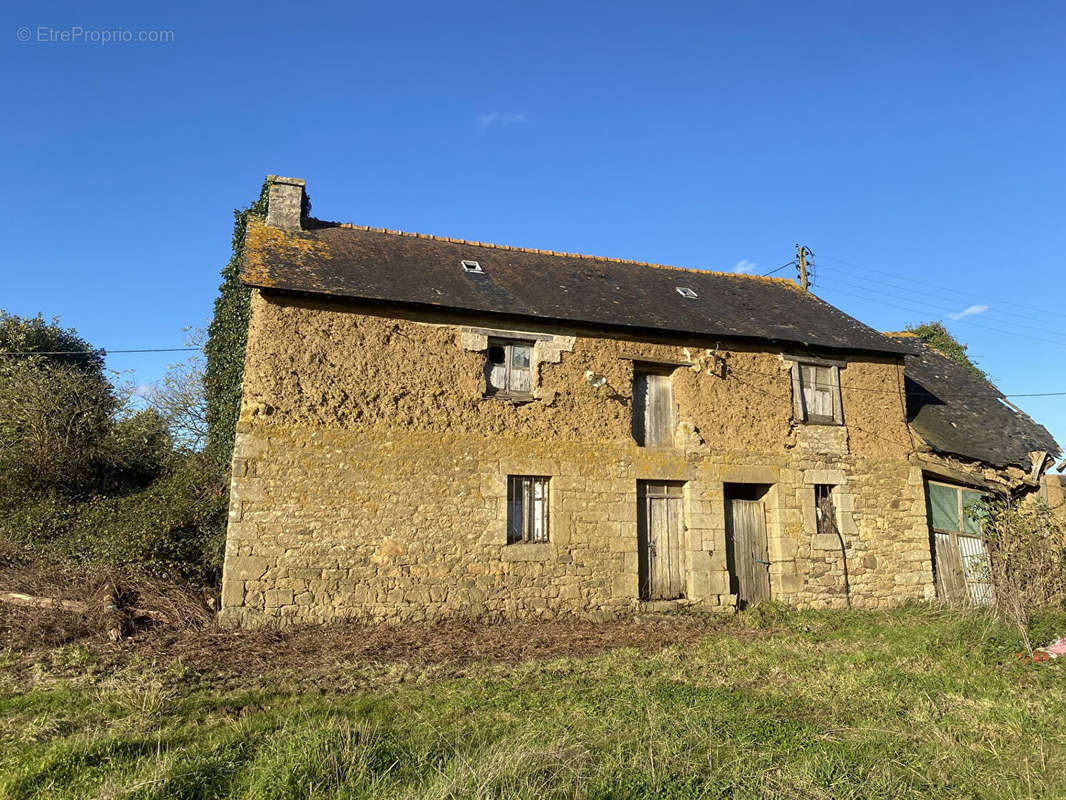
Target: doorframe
(767, 494)
(643, 571)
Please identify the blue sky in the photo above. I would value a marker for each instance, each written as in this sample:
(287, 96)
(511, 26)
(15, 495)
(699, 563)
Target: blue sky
(916, 148)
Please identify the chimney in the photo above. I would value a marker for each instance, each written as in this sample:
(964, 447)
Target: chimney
(285, 202)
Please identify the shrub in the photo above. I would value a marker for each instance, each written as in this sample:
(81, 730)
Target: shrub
(1027, 559)
(173, 528)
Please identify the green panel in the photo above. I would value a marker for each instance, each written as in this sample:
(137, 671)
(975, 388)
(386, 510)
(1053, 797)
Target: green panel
(971, 505)
(943, 507)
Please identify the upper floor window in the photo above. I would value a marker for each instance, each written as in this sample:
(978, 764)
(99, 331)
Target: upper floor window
(816, 394)
(654, 410)
(508, 371)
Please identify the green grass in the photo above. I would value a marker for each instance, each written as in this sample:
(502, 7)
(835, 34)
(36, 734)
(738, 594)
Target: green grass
(917, 703)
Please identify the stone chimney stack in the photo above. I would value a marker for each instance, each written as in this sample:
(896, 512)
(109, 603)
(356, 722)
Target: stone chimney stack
(285, 202)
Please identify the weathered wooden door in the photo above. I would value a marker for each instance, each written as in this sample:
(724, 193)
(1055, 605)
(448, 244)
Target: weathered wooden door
(749, 559)
(963, 571)
(660, 538)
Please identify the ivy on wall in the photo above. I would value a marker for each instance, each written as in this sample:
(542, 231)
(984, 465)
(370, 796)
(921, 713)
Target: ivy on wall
(227, 336)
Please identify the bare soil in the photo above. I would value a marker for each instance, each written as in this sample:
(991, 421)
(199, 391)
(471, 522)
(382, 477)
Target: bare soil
(131, 618)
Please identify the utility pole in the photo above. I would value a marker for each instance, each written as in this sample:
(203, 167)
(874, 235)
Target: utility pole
(801, 263)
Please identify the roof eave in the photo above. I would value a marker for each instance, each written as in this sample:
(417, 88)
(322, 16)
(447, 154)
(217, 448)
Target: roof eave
(576, 323)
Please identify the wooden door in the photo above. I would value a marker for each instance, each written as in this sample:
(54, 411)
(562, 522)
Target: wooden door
(749, 559)
(963, 571)
(660, 538)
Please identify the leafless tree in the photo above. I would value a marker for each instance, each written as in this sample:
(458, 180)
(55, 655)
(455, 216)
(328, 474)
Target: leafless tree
(180, 398)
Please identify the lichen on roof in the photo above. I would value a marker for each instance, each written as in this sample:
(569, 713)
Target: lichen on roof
(561, 253)
(386, 265)
(264, 242)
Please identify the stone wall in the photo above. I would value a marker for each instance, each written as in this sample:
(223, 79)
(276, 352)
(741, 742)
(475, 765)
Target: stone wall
(369, 474)
(1054, 491)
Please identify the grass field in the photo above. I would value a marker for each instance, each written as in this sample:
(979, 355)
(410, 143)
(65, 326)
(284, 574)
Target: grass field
(917, 702)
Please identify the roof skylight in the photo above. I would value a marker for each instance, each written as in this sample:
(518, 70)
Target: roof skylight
(684, 291)
(472, 266)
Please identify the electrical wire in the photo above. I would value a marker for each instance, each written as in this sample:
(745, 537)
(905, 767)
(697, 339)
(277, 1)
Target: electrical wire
(950, 305)
(945, 288)
(100, 352)
(833, 284)
(771, 272)
(882, 301)
(730, 368)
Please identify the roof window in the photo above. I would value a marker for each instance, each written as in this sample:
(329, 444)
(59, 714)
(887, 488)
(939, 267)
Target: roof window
(684, 291)
(472, 266)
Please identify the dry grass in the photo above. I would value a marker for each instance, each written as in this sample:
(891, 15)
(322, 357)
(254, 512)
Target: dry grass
(94, 605)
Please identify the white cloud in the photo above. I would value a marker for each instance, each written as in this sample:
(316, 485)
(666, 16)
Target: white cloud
(143, 390)
(744, 266)
(969, 312)
(499, 118)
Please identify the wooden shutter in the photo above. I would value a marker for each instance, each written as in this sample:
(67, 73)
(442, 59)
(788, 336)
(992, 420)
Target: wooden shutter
(817, 391)
(519, 380)
(661, 413)
(496, 368)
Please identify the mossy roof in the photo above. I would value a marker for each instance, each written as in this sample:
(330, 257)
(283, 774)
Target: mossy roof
(421, 270)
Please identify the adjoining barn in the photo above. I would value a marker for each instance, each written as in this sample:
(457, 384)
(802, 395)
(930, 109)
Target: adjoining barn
(432, 427)
(975, 444)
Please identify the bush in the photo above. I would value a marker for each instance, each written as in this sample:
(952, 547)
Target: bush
(1027, 559)
(173, 528)
(85, 480)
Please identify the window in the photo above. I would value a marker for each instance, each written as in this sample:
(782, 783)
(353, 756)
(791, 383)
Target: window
(654, 411)
(507, 369)
(824, 510)
(684, 291)
(527, 509)
(960, 556)
(472, 266)
(816, 394)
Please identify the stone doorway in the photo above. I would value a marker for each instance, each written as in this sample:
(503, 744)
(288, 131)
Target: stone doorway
(660, 539)
(747, 552)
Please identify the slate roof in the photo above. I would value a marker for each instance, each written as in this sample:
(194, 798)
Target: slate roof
(960, 413)
(377, 264)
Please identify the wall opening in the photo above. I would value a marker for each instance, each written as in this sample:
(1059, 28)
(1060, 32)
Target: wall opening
(661, 540)
(747, 551)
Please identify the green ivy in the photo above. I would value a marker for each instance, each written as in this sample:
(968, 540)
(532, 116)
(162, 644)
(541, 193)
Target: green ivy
(227, 336)
(939, 338)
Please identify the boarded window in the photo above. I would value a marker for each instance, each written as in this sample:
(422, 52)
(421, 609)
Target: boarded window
(960, 555)
(816, 391)
(508, 371)
(654, 411)
(527, 509)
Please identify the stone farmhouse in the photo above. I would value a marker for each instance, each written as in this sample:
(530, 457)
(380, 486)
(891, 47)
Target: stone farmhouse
(432, 427)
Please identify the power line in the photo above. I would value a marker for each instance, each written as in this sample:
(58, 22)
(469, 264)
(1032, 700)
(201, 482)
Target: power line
(882, 301)
(103, 351)
(947, 288)
(791, 263)
(937, 308)
(917, 293)
(895, 392)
